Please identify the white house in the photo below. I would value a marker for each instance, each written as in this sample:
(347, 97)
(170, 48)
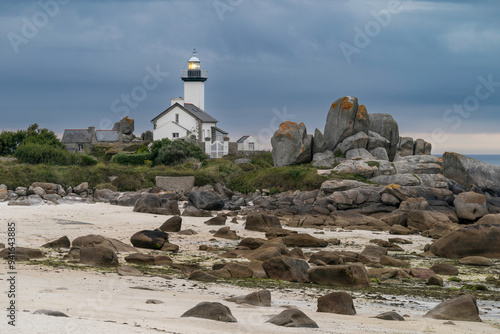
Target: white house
(248, 143)
(186, 116)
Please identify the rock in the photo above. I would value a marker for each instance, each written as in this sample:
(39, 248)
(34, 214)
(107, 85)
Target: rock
(390, 316)
(125, 126)
(336, 302)
(266, 253)
(238, 270)
(293, 318)
(489, 219)
(470, 205)
(476, 261)
(202, 276)
(258, 298)
(379, 153)
(39, 191)
(291, 145)
(399, 230)
(375, 140)
(84, 186)
(98, 256)
(405, 146)
(261, 222)
(356, 141)
(425, 220)
(444, 268)
(149, 239)
(356, 167)
(31, 200)
(419, 147)
(372, 254)
(172, 224)
(462, 308)
(326, 257)
(125, 199)
(226, 233)
(252, 243)
(192, 211)
(387, 127)
(20, 191)
(22, 253)
(357, 153)
(287, 269)
(472, 240)
(145, 259)
(206, 200)
(382, 273)
(152, 203)
(435, 280)
(469, 171)
(389, 261)
(318, 142)
(345, 119)
(154, 301)
(330, 186)
(400, 179)
(421, 273)
(304, 240)
(211, 311)
(93, 240)
(352, 275)
(217, 220)
(128, 271)
(62, 242)
(51, 313)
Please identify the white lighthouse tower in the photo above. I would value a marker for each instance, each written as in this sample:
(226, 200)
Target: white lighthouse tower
(194, 82)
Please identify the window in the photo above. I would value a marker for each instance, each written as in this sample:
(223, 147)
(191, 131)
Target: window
(251, 146)
(80, 147)
(175, 135)
(176, 118)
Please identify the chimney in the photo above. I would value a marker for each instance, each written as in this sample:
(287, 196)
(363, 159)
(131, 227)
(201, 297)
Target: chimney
(175, 100)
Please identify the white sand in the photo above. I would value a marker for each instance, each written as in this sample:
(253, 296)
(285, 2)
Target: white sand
(99, 302)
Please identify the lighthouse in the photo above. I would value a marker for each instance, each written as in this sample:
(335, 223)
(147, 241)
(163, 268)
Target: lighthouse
(194, 82)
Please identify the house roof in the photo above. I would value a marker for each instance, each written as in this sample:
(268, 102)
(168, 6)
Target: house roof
(106, 135)
(242, 139)
(192, 110)
(76, 136)
(220, 130)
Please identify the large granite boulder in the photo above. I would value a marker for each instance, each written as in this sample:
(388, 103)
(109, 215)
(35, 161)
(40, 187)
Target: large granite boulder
(405, 146)
(293, 317)
(212, 311)
(387, 127)
(152, 203)
(95, 240)
(262, 223)
(470, 205)
(98, 256)
(472, 240)
(462, 308)
(337, 302)
(469, 172)
(318, 142)
(206, 200)
(345, 118)
(151, 239)
(291, 144)
(358, 140)
(287, 269)
(351, 275)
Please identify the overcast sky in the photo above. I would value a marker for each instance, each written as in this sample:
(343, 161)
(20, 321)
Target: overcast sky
(67, 63)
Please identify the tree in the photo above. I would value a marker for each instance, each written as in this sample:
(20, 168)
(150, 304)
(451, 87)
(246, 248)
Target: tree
(10, 140)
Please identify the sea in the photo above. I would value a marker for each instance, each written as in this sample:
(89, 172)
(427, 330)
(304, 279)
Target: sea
(493, 159)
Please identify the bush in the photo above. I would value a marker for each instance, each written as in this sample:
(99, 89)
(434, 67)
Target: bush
(31, 153)
(175, 152)
(132, 159)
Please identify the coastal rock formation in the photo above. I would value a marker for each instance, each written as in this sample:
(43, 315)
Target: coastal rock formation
(206, 200)
(387, 127)
(258, 298)
(352, 275)
(293, 318)
(212, 311)
(337, 302)
(291, 144)
(470, 172)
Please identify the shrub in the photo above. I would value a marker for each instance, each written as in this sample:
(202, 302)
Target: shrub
(132, 159)
(45, 154)
(166, 152)
(338, 154)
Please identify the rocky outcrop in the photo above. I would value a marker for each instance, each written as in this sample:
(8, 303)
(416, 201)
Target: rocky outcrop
(388, 128)
(261, 222)
(352, 275)
(206, 200)
(470, 172)
(470, 205)
(287, 269)
(291, 144)
(345, 118)
(98, 256)
(337, 302)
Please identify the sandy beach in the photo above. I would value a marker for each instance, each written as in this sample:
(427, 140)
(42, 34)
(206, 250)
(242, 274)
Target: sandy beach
(99, 301)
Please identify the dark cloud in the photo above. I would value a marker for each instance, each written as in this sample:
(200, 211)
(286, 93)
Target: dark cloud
(263, 57)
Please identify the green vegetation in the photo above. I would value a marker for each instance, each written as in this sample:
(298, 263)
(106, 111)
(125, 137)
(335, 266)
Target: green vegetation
(338, 154)
(32, 153)
(10, 141)
(373, 164)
